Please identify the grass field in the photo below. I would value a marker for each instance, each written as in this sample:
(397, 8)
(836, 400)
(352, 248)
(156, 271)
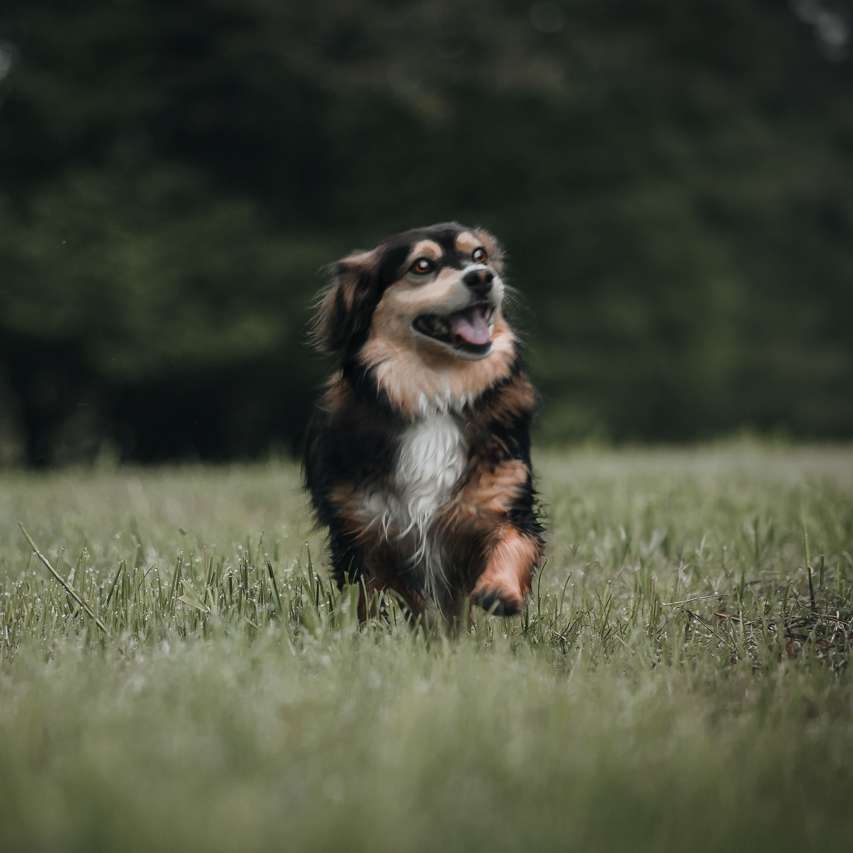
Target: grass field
(679, 681)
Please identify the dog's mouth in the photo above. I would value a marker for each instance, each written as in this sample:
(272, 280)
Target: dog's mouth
(468, 331)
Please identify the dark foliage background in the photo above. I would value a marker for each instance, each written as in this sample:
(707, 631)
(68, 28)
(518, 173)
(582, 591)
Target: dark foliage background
(672, 179)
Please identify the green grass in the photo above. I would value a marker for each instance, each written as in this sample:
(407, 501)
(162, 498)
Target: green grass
(679, 681)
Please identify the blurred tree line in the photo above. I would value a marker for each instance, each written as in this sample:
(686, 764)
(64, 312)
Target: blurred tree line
(672, 179)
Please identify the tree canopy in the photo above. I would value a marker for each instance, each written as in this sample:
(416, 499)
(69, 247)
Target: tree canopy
(671, 179)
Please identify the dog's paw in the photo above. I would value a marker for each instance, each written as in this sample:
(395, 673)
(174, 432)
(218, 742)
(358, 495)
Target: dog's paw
(499, 602)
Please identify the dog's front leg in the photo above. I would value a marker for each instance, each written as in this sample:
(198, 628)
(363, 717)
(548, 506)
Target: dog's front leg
(505, 581)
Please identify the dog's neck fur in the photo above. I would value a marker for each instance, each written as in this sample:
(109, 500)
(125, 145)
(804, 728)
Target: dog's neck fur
(426, 406)
(418, 384)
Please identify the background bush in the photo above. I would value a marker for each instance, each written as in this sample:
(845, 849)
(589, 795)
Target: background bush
(672, 180)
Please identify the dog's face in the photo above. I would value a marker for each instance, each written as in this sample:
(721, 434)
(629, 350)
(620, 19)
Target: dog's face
(445, 295)
(434, 291)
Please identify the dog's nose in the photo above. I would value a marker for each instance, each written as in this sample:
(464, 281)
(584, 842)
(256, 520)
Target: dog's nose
(480, 281)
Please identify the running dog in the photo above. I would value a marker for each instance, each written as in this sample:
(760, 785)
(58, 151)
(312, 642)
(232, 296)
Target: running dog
(418, 457)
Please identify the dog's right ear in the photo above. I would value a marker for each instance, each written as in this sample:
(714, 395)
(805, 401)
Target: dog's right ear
(344, 308)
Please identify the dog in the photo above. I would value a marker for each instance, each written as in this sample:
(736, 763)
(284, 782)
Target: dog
(417, 459)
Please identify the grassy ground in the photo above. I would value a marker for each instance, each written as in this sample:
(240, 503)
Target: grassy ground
(679, 681)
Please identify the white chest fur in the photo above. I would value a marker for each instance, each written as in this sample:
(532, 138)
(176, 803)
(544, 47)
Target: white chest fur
(431, 461)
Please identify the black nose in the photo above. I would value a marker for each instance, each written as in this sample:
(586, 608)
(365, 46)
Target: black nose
(480, 281)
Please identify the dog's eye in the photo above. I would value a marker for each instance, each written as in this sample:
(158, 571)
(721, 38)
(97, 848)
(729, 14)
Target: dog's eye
(422, 266)
(479, 255)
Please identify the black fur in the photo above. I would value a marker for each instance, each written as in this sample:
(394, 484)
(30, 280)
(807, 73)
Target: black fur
(354, 438)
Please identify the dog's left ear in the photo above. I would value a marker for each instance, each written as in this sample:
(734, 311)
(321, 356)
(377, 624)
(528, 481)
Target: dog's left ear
(344, 308)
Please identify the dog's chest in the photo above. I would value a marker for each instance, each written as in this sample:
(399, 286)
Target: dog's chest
(431, 459)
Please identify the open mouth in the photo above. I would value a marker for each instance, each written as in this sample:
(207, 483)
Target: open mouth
(468, 331)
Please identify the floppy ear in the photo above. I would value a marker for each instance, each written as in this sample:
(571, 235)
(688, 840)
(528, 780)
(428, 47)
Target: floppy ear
(344, 308)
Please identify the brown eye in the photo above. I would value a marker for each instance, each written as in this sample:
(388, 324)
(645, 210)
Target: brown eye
(422, 266)
(479, 255)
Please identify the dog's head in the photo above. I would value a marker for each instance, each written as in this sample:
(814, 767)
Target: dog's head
(437, 291)
(422, 311)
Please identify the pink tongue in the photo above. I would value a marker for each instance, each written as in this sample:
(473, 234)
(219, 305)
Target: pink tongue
(471, 326)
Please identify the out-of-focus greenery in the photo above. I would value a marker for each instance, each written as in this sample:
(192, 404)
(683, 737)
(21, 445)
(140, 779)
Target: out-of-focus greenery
(679, 681)
(672, 180)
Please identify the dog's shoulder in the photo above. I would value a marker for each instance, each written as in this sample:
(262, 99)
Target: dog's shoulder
(511, 400)
(349, 438)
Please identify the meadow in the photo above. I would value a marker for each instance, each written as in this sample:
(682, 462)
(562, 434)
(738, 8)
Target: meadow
(188, 679)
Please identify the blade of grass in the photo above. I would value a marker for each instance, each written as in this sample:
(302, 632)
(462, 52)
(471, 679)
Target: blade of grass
(68, 588)
(274, 586)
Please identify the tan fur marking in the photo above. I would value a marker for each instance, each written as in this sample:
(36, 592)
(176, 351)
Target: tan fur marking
(344, 498)
(359, 522)
(494, 491)
(352, 264)
(410, 371)
(406, 298)
(515, 398)
(487, 495)
(519, 397)
(420, 375)
(336, 394)
(493, 249)
(466, 242)
(380, 570)
(428, 248)
(359, 259)
(509, 570)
